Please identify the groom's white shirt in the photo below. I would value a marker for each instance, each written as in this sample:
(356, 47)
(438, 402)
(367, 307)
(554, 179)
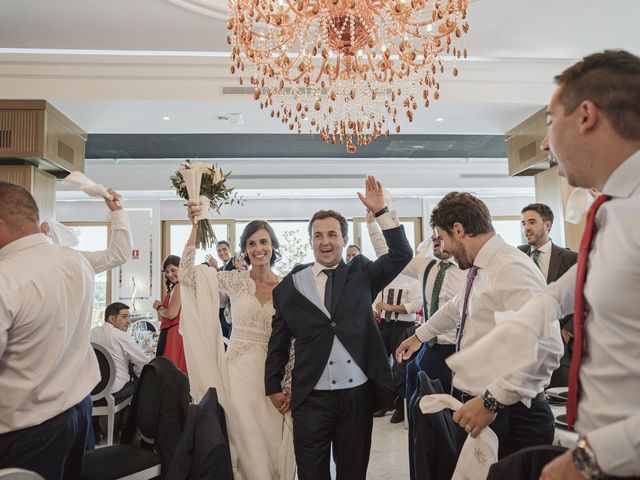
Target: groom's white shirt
(341, 370)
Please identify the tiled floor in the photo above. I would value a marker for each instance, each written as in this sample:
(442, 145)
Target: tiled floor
(389, 451)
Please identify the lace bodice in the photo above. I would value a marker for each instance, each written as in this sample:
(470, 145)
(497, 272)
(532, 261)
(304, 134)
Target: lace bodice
(251, 319)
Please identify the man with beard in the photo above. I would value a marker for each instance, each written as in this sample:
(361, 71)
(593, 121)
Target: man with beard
(553, 261)
(499, 278)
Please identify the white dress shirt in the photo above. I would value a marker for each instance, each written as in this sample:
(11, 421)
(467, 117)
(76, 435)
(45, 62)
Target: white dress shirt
(47, 364)
(410, 298)
(505, 280)
(609, 402)
(454, 278)
(124, 351)
(544, 258)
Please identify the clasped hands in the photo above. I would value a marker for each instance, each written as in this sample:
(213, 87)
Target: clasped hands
(472, 416)
(281, 400)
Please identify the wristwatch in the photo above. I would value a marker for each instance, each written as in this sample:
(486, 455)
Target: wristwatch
(584, 459)
(381, 212)
(490, 402)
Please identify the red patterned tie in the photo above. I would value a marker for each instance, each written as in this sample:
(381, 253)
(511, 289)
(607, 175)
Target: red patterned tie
(578, 311)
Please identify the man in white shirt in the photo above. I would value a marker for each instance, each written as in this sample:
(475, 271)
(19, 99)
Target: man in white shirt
(395, 308)
(499, 278)
(126, 353)
(441, 280)
(594, 134)
(553, 261)
(47, 365)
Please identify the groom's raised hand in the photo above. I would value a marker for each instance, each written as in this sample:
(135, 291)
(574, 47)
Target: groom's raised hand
(373, 197)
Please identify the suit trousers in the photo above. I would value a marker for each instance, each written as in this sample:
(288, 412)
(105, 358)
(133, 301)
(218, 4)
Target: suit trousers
(519, 427)
(527, 464)
(339, 418)
(53, 449)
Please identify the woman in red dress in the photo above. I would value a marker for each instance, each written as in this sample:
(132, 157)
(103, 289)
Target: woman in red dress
(170, 341)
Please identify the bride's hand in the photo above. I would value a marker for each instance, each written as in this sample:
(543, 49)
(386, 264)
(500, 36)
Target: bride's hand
(281, 401)
(194, 210)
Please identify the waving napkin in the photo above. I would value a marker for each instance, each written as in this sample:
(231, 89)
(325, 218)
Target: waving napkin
(87, 185)
(477, 454)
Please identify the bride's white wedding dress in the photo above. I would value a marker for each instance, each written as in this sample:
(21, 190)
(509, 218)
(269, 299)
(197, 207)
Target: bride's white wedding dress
(261, 437)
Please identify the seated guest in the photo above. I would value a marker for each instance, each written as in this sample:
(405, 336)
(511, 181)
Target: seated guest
(113, 336)
(553, 261)
(47, 365)
(499, 278)
(352, 251)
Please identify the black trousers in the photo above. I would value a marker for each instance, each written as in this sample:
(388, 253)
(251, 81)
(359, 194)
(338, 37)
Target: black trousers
(519, 427)
(527, 464)
(54, 449)
(339, 418)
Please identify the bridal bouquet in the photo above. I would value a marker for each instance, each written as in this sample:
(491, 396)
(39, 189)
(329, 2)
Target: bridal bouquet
(206, 183)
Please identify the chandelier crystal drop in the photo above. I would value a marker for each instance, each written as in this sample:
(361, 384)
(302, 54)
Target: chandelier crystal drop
(344, 69)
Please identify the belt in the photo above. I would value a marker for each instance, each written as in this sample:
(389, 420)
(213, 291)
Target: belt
(464, 397)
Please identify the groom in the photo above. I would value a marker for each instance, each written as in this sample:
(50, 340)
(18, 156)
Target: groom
(339, 355)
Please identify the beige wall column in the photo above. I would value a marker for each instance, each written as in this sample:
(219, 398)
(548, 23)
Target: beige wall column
(40, 184)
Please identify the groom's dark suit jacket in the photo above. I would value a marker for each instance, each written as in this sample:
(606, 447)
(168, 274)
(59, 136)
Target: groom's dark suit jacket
(560, 260)
(355, 286)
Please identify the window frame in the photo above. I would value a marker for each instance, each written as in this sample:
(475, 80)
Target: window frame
(417, 229)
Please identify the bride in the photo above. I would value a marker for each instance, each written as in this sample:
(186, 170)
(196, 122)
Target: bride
(260, 435)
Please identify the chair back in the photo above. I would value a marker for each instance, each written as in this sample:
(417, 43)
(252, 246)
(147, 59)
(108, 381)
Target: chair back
(18, 474)
(107, 372)
(143, 325)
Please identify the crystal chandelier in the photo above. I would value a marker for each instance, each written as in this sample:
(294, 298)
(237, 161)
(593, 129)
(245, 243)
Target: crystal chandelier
(344, 69)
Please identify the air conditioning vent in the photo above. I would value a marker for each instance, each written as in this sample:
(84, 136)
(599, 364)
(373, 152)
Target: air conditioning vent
(34, 130)
(5, 139)
(523, 146)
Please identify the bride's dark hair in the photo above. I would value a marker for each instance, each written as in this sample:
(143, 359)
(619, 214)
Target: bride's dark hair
(252, 228)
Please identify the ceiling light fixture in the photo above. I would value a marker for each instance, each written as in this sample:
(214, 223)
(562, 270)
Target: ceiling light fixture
(439, 119)
(166, 118)
(349, 66)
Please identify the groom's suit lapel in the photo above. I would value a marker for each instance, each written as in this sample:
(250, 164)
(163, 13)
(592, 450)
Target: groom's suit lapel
(304, 286)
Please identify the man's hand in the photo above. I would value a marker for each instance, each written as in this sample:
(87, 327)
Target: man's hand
(281, 400)
(561, 468)
(380, 307)
(408, 348)
(45, 228)
(157, 304)
(473, 417)
(116, 202)
(373, 197)
(211, 261)
(566, 336)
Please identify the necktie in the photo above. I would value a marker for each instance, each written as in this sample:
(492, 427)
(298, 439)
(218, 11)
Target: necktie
(470, 277)
(535, 255)
(579, 307)
(328, 288)
(437, 286)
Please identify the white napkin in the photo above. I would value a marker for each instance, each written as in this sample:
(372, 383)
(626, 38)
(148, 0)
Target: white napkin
(492, 357)
(477, 454)
(577, 205)
(87, 185)
(60, 234)
(192, 180)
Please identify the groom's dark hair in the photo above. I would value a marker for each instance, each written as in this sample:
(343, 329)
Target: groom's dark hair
(322, 214)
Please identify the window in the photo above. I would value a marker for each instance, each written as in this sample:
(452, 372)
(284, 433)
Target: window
(509, 228)
(93, 236)
(412, 229)
(176, 234)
